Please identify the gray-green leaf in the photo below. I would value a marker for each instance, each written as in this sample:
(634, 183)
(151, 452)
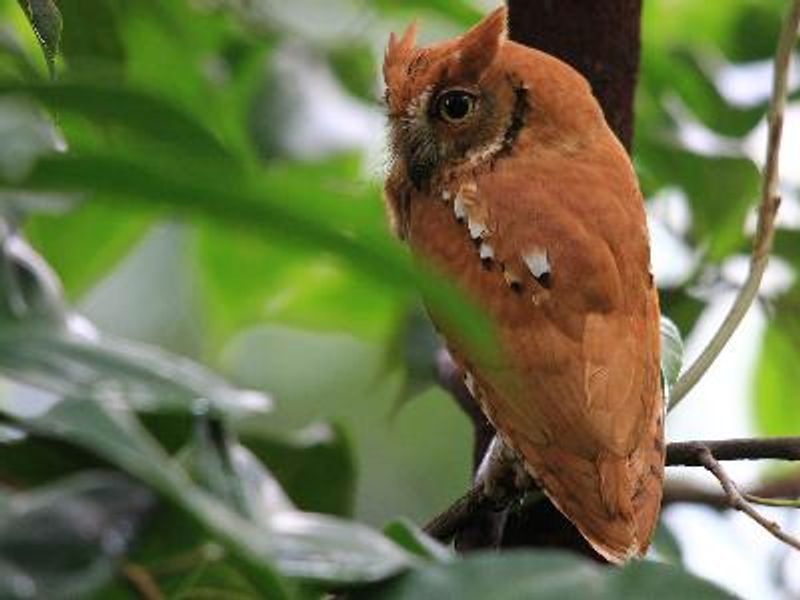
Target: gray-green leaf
(671, 353)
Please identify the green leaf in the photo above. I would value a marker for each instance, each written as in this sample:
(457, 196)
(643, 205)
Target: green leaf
(218, 462)
(84, 244)
(697, 89)
(754, 31)
(542, 576)
(45, 20)
(315, 465)
(91, 35)
(721, 189)
(303, 545)
(462, 12)
(64, 540)
(671, 352)
(667, 545)
(27, 134)
(413, 539)
(281, 211)
(130, 109)
(683, 308)
(776, 408)
(79, 361)
(354, 65)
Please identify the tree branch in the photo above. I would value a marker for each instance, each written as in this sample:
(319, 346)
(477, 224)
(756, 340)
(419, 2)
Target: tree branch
(737, 501)
(683, 493)
(690, 454)
(768, 209)
(684, 454)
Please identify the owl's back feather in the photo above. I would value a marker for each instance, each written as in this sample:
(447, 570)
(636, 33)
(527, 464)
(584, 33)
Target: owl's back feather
(547, 231)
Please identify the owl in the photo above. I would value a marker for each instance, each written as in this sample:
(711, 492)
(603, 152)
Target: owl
(505, 178)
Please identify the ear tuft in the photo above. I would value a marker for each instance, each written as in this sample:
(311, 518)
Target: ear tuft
(397, 52)
(480, 45)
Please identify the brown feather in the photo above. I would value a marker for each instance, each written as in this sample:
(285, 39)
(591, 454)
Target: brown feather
(557, 209)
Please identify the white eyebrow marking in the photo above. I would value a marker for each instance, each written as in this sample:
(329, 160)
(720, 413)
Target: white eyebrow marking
(537, 262)
(415, 107)
(486, 251)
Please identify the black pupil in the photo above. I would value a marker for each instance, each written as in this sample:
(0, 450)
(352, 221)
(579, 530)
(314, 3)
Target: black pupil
(456, 106)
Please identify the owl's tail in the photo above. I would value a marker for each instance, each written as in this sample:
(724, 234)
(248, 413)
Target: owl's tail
(613, 501)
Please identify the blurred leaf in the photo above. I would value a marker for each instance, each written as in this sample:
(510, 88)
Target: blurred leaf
(754, 31)
(64, 540)
(461, 12)
(45, 19)
(354, 65)
(303, 545)
(29, 290)
(787, 245)
(721, 189)
(84, 244)
(15, 62)
(28, 460)
(681, 307)
(315, 465)
(273, 283)
(90, 35)
(27, 134)
(667, 545)
(695, 85)
(414, 349)
(671, 352)
(80, 361)
(232, 473)
(130, 109)
(119, 180)
(542, 575)
(416, 541)
(777, 410)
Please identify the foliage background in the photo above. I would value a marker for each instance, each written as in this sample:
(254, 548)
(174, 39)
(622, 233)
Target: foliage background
(179, 114)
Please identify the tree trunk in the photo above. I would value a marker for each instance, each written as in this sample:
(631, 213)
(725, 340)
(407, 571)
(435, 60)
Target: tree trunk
(598, 38)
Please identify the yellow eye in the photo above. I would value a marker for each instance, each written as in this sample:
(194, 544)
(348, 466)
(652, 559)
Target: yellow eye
(455, 106)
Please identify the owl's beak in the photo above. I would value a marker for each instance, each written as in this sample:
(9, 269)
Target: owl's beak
(421, 163)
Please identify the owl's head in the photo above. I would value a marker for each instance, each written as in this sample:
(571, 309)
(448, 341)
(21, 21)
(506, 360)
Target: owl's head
(469, 98)
(442, 106)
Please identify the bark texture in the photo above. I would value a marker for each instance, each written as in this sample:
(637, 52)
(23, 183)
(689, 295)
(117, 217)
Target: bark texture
(599, 39)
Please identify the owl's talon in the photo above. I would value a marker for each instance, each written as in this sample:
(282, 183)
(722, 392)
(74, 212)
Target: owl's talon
(501, 474)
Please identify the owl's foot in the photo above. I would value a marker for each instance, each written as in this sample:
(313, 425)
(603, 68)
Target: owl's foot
(502, 474)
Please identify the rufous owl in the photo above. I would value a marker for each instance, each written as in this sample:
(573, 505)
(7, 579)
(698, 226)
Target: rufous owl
(505, 178)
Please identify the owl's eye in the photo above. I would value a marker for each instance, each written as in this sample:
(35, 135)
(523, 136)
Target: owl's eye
(455, 106)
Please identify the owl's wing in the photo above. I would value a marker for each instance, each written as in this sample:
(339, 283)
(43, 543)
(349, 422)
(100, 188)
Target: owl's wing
(565, 278)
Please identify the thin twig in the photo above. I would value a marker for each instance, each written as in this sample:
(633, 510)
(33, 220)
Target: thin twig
(738, 502)
(687, 454)
(775, 502)
(768, 209)
(141, 581)
(681, 492)
(446, 524)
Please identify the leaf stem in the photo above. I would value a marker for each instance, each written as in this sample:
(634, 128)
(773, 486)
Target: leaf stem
(768, 208)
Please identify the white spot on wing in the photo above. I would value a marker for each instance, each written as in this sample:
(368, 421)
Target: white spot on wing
(486, 251)
(446, 195)
(476, 229)
(537, 262)
(459, 208)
